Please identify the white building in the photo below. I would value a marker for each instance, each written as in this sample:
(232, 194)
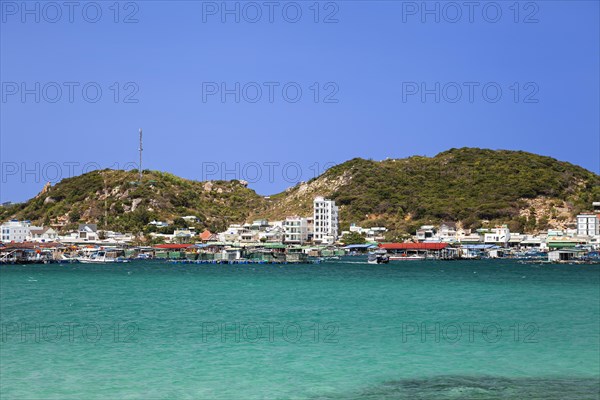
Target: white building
(587, 225)
(259, 225)
(326, 220)
(88, 232)
(374, 234)
(190, 219)
(273, 234)
(499, 235)
(468, 237)
(183, 235)
(232, 234)
(158, 224)
(249, 236)
(42, 234)
(15, 231)
(447, 232)
(296, 230)
(427, 233)
(117, 237)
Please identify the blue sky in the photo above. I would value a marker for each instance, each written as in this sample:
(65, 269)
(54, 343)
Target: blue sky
(362, 68)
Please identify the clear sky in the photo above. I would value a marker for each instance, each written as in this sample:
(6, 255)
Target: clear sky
(219, 98)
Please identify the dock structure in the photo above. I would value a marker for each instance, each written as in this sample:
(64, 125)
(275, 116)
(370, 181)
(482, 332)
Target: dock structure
(280, 253)
(31, 253)
(234, 262)
(223, 253)
(400, 251)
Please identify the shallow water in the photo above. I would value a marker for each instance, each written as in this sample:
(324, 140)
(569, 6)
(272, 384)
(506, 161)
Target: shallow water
(412, 330)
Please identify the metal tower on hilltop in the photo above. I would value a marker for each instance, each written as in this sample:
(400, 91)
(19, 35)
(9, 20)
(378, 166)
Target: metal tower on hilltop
(141, 150)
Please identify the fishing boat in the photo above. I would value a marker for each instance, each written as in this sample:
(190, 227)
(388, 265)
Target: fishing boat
(66, 258)
(101, 257)
(378, 257)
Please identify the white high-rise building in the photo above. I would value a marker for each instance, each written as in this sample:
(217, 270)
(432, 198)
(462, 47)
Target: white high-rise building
(15, 231)
(326, 221)
(587, 225)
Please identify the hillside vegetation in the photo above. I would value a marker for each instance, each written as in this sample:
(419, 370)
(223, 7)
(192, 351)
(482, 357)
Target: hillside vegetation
(473, 187)
(114, 199)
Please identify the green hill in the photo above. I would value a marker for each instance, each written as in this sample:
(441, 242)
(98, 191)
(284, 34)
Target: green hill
(468, 185)
(473, 187)
(113, 199)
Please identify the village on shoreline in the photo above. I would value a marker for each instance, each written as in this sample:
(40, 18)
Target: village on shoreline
(298, 240)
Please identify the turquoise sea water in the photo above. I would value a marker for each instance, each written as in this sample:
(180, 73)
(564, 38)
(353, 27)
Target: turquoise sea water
(412, 330)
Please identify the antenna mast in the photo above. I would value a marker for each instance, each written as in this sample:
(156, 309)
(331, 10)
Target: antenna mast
(141, 149)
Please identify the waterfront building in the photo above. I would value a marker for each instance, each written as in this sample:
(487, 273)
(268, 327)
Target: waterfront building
(183, 236)
(257, 231)
(117, 237)
(42, 234)
(374, 234)
(562, 255)
(559, 239)
(413, 251)
(588, 225)
(447, 232)
(232, 234)
(208, 236)
(500, 235)
(310, 227)
(15, 231)
(275, 233)
(533, 241)
(249, 236)
(325, 214)
(466, 236)
(354, 228)
(426, 233)
(88, 232)
(259, 225)
(296, 230)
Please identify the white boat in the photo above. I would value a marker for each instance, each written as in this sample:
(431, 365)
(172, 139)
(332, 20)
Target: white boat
(378, 257)
(65, 258)
(101, 257)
